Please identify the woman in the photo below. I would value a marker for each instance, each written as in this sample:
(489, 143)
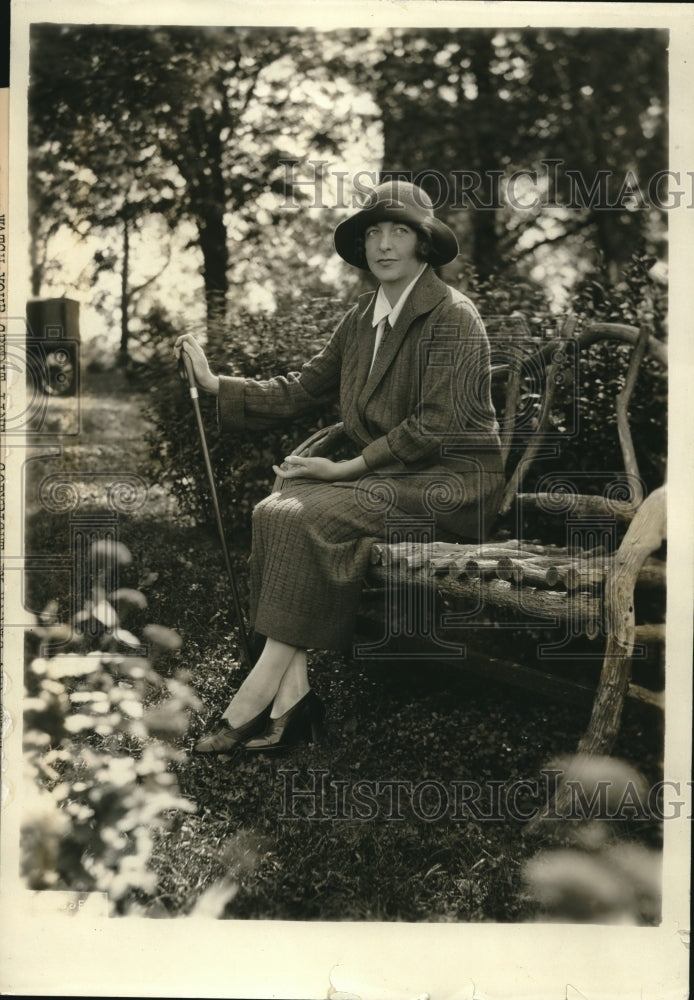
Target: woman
(410, 366)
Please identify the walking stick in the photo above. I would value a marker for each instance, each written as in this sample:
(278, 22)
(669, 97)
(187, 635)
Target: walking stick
(245, 648)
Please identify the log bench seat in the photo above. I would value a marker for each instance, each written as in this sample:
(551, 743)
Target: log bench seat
(503, 583)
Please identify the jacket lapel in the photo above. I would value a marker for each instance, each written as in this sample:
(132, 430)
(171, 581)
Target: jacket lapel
(366, 337)
(425, 295)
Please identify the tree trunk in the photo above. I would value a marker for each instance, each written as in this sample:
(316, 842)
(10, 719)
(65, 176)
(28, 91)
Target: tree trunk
(37, 239)
(37, 263)
(124, 296)
(215, 255)
(486, 240)
(208, 200)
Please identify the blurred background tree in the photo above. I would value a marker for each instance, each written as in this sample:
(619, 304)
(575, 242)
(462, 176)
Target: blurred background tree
(495, 102)
(189, 162)
(191, 124)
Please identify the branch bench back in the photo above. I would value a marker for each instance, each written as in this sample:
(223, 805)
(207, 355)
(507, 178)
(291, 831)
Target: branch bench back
(525, 378)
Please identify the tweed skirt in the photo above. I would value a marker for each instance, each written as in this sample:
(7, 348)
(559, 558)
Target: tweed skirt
(312, 543)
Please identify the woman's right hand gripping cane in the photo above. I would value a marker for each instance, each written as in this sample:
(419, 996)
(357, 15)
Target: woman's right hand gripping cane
(204, 378)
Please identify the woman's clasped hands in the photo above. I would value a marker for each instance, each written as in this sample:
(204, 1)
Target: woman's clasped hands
(296, 466)
(306, 467)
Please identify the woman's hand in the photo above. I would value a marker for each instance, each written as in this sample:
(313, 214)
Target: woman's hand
(295, 466)
(204, 378)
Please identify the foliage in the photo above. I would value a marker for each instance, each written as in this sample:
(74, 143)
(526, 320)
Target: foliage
(129, 122)
(98, 727)
(129, 126)
(489, 101)
(595, 448)
(596, 874)
(583, 422)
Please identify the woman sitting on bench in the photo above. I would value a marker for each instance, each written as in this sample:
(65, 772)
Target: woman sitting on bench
(410, 366)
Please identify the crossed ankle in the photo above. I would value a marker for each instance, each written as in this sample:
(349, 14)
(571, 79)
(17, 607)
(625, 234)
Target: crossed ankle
(286, 700)
(239, 713)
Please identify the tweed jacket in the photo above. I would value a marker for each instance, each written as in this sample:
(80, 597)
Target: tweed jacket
(425, 404)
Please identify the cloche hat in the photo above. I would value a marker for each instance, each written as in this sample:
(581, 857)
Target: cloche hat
(395, 201)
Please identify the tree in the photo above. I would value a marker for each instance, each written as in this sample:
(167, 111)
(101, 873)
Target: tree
(130, 121)
(193, 123)
(484, 103)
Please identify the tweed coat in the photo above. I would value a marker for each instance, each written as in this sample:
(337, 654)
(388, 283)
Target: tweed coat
(423, 421)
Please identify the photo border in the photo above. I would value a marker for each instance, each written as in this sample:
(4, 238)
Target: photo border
(54, 954)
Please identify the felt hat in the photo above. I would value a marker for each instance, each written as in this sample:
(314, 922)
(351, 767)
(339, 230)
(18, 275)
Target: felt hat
(395, 201)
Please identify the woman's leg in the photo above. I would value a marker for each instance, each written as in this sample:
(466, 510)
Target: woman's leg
(262, 684)
(293, 686)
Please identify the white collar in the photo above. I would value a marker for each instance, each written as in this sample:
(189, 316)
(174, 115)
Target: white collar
(383, 308)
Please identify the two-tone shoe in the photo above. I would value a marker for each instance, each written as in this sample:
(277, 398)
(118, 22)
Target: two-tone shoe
(227, 739)
(302, 723)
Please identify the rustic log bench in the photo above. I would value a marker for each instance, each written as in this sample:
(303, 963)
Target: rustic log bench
(446, 600)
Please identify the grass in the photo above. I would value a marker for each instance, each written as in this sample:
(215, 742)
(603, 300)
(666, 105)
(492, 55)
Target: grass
(394, 721)
(391, 721)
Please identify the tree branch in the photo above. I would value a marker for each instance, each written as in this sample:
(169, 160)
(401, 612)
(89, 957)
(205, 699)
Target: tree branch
(138, 288)
(592, 333)
(583, 224)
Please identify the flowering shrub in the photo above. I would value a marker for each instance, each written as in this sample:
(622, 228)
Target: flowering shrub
(98, 726)
(598, 874)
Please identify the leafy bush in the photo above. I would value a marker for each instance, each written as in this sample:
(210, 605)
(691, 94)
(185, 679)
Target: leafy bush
(99, 721)
(636, 300)
(589, 441)
(596, 874)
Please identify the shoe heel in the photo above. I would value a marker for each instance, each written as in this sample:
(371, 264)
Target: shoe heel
(303, 723)
(319, 731)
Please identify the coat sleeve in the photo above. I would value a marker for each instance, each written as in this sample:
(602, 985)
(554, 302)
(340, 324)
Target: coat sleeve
(454, 399)
(247, 403)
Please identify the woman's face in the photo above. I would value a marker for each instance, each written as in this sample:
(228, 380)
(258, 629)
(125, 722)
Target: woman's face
(391, 253)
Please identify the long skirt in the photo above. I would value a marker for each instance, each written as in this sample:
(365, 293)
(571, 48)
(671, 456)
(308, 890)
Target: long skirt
(312, 543)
